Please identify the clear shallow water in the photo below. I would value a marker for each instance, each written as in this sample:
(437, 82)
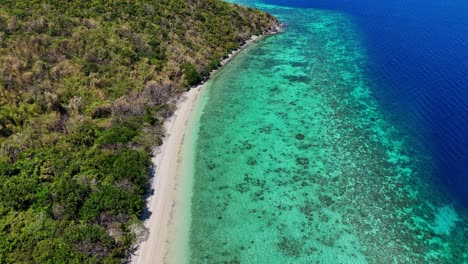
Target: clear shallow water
(298, 161)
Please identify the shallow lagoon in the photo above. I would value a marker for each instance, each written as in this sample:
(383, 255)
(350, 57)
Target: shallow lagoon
(297, 162)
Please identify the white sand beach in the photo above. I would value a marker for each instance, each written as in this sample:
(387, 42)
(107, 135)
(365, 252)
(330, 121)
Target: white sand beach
(170, 183)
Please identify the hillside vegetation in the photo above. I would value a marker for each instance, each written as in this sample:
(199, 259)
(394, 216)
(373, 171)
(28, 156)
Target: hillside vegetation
(85, 86)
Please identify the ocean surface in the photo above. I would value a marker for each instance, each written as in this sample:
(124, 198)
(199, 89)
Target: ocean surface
(342, 140)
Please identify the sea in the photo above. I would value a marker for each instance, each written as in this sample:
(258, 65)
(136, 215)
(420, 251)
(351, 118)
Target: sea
(343, 139)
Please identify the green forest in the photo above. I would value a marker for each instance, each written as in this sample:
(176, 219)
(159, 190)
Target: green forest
(85, 87)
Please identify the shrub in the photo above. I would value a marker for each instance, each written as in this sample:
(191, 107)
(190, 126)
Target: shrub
(117, 134)
(112, 200)
(191, 75)
(84, 135)
(131, 165)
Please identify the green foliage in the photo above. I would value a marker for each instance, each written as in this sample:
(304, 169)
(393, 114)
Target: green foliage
(85, 135)
(150, 117)
(117, 134)
(68, 195)
(191, 75)
(131, 165)
(112, 200)
(18, 192)
(84, 89)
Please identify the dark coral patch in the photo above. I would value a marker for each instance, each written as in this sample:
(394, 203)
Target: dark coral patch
(290, 247)
(300, 136)
(302, 161)
(326, 200)
(251, 161)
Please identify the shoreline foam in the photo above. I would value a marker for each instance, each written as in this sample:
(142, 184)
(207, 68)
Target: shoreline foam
(169, 222)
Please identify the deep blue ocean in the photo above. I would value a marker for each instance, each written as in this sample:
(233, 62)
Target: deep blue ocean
(419, 54)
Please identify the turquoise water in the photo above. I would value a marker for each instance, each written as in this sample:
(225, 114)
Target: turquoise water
(296, 162)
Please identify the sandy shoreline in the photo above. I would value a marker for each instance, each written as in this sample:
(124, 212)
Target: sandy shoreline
(167, 184)
(169, 222)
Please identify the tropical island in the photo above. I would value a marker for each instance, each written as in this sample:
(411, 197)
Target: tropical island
(85, 87)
